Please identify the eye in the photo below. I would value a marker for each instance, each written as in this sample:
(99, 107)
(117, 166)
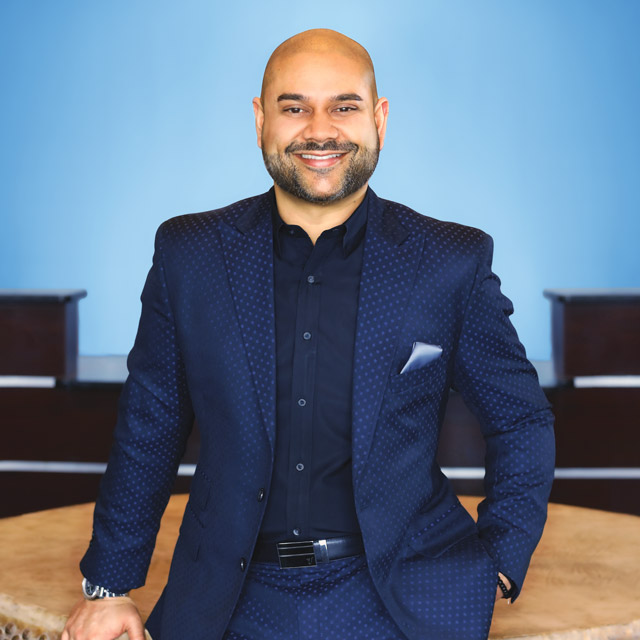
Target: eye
(293, 110)
(345, 109)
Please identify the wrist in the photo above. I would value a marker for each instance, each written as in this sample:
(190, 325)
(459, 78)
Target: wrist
(95, 592)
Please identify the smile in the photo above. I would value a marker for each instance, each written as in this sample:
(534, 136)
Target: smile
(308, 156)
(321, 161)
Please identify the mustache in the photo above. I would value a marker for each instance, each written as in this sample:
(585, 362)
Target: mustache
(330, 145)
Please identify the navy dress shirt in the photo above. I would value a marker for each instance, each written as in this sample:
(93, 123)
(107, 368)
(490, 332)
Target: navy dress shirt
(316, 303)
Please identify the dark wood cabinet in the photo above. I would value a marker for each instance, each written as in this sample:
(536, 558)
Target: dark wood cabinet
(597, 428)
(73, 422)
(39, 332)
(595, 332)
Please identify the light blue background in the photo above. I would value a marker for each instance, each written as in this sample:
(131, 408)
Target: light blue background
(519, 117)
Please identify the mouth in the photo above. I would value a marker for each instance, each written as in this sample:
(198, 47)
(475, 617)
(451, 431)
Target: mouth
(320, 160)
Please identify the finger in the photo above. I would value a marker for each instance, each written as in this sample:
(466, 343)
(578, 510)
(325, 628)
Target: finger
(136, 630)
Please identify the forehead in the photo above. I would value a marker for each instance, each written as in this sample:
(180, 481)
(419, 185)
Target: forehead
(318, 75)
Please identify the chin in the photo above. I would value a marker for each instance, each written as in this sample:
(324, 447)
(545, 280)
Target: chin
(324, 195)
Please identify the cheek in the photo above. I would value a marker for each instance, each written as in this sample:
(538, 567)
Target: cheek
(371, 138)
(362, 133)
(277, 137)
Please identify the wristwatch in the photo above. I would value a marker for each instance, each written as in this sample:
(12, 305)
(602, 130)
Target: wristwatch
(94, 592)
(506, 593)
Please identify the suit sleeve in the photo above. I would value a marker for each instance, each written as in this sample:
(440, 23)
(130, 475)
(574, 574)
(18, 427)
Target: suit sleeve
(501, 387)
(154, 420)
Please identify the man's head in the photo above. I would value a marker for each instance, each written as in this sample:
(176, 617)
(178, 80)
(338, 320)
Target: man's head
(319, 120)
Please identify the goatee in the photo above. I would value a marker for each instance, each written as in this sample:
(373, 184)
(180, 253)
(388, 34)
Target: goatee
(286, 174)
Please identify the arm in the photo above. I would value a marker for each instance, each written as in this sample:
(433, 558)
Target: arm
(154, 420)
(501, 387)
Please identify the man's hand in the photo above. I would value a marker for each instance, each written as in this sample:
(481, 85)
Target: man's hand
(104, 619)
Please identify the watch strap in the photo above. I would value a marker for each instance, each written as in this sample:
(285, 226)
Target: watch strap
(507, 592)
(94, 592)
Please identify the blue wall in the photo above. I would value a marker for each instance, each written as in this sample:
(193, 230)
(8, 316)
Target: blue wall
(521, 118)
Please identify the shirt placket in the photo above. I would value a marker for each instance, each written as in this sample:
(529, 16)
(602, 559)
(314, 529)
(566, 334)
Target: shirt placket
(303, 391)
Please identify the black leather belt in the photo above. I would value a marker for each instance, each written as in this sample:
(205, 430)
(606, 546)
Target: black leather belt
(307, 553)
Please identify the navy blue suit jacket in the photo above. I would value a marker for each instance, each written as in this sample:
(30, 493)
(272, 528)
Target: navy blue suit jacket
(206, 349)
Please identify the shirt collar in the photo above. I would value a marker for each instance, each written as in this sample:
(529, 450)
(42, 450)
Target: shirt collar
(354, 225)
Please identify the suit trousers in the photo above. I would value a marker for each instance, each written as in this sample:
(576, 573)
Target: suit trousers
(335, 601)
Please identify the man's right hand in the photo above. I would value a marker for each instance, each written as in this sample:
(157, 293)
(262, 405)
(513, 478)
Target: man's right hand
(104, 619)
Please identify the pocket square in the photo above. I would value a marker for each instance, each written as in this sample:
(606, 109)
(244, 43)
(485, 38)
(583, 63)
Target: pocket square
(421, 355)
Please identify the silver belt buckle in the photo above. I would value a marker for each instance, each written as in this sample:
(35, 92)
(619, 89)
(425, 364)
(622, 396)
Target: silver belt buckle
(307, 553)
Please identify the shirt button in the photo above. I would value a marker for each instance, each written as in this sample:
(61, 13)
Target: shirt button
(306, 335)
(299, 467)
(260, 495)
(296, 532)
(310, 279)
(243, 564)
(302, 402)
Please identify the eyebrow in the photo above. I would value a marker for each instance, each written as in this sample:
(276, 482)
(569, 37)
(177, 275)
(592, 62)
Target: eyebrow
(299, 97)
(346, 96)
(292, 96)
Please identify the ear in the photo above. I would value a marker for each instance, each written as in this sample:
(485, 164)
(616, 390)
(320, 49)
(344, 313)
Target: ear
(258, 112)
(380, 114)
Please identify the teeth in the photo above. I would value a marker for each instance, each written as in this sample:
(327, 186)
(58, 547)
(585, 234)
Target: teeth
(308, 156)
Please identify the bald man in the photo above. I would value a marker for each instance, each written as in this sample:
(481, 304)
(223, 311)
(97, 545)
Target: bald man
(314, 332)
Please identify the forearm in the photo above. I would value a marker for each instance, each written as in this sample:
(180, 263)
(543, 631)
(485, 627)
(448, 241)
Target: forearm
(518, 478)
(501, 386)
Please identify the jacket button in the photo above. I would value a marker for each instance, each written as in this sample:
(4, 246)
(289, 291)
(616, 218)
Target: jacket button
(260, 495)
(243, 564)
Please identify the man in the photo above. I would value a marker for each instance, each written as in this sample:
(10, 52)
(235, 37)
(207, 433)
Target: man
(314, 332)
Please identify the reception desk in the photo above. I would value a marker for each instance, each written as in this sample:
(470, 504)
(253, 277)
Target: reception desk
(582, 583)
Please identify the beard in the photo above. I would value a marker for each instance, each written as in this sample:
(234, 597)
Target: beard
(286, 174)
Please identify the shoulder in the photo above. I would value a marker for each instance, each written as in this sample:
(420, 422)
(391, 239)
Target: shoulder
(437, 233)
(192, 226)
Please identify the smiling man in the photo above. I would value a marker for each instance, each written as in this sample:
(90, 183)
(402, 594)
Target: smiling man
(320, 126)
(314, 332)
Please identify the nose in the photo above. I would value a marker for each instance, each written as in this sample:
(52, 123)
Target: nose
(320, 128)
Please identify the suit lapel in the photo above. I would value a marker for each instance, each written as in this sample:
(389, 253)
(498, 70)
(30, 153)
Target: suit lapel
(248, 253)
(391, 258)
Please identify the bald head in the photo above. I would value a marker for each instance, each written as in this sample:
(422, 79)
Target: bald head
(319, 42)
(319, 121)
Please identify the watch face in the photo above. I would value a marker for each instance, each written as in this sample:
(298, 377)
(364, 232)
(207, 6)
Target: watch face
(89, 589)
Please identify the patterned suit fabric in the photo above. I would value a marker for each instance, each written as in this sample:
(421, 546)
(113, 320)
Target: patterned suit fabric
(206, 348)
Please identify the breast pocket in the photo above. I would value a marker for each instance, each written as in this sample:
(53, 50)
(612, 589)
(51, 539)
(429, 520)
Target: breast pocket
(427, 375)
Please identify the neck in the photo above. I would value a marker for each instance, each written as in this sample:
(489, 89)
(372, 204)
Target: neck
(315, 218)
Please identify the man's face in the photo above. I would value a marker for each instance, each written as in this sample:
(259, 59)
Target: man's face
(318, 126)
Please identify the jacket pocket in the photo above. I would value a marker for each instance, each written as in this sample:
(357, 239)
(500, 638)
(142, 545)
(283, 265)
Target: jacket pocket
(431, 535)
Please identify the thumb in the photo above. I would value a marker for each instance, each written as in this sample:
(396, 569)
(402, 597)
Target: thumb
(135, 631)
